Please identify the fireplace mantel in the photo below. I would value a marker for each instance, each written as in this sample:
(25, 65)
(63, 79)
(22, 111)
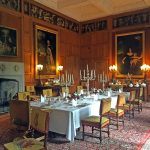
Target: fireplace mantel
(13, 70)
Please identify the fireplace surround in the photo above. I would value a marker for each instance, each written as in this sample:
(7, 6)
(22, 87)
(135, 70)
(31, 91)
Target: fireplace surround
(11, 82)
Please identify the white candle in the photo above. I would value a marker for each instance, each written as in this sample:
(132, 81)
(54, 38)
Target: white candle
(94, 73)
(87, 67)
(91, 73)
(62, 78)
(72, 79)
(66, 76)
(101, 77)
(106, 78)
(84, 74)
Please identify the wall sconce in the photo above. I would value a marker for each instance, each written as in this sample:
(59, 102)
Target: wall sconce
(39, 69)
(145, 68)
(59, 68)
(113, 69)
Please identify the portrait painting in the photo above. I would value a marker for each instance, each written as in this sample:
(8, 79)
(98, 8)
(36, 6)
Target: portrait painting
(129, 54)
(8, 41)
(46, 50)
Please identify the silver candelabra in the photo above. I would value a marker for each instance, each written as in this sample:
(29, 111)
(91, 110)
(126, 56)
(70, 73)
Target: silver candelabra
(68, 80)
(87, 75)
(103, 78)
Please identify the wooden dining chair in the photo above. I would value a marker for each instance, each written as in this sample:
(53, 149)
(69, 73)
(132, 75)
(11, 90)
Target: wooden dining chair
(23, 96)
(39, 123)
(19, 113)
(79, 88)
(129, 106)
(31, 89)
(48, 92)
(117, 114)
(138, 100)
(98, 122)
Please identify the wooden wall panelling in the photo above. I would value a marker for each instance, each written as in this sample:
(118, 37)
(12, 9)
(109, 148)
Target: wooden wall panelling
(28, 50)
(28, 67)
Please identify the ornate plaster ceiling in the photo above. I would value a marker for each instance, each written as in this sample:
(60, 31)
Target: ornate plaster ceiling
(83, 10)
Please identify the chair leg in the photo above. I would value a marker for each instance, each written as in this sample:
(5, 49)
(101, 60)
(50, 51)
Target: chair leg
(117, 123)
(133, 112)
(45, 141)
(141, 106)
(92, 130)
(108, 131)
(129, 114)
(83, 132)
(100, 132)
(123, 120)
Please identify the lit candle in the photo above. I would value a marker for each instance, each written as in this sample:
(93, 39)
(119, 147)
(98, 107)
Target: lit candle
(94, 74)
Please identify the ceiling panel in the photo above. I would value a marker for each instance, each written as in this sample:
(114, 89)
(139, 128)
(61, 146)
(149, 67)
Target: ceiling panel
(83, 10)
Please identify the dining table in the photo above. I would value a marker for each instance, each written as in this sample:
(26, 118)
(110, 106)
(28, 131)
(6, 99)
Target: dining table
(65, 117)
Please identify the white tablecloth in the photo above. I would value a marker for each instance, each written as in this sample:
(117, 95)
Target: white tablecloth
(65, 118)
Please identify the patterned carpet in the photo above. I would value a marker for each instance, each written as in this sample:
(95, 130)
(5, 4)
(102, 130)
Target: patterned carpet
(133, 136)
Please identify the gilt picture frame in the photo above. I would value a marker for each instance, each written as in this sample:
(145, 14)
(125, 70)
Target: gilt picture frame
(129, 54)
(46, 41)
(8, 42)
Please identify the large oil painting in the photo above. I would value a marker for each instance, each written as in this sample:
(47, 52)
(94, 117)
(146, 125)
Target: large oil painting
(46, 50)
(129, 54)
(8, 42)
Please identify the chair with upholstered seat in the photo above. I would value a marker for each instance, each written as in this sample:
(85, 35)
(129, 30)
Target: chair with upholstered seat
(98, 122)
(129, 106)
(48, 92)
(19, 113)
(23, 96)
(31, 89)
(65, 91)
(117, 114)
(138, 100)
(39, 121)
(79, 89)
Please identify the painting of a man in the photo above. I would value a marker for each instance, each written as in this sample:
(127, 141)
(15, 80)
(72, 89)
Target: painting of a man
(8, 42)
(129, 53)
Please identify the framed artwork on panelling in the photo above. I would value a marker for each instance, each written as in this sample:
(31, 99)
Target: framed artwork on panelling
(129, 53)
(8, 42)
(46, 50)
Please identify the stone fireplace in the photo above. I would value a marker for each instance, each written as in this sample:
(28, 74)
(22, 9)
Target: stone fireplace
(11, 82)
